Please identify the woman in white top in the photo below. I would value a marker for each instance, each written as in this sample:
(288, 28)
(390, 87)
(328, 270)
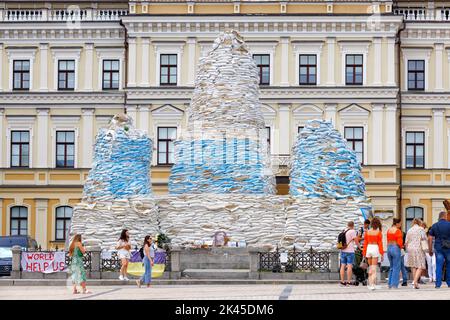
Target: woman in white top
(123, 252)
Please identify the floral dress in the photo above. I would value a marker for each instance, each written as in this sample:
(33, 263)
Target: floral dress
(76, 267)
(416, 256)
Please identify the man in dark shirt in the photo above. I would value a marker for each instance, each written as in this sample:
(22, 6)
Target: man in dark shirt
(441, 233)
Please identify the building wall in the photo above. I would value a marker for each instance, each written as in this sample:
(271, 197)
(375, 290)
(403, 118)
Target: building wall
(283, 30)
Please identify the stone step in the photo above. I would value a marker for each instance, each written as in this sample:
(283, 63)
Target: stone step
(225, 274)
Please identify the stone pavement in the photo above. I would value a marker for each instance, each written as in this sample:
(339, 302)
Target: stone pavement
(225, 292)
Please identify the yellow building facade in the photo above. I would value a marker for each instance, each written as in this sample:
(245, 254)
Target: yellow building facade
(379, 70)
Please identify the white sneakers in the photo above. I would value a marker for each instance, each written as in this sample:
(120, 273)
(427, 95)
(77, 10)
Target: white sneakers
(126, 279)
(121, 277)
(371, 288)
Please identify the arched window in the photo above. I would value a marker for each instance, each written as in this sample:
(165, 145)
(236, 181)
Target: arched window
(63, 218)
(411, 214)
(19, 221)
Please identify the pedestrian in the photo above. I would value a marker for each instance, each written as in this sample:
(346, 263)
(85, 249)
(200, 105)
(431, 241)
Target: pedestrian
(363, 231)
(76, 267)
(416, 255)
(348, 253)
(124, 247)
(441, 233)
(431, 259)
(402, 266)
(373, 250)
(148, 263)
(395, 245)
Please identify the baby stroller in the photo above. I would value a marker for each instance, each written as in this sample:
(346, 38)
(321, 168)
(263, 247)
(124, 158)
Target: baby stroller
(360, 273)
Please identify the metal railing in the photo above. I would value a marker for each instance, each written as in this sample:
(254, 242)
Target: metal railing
(309, 260)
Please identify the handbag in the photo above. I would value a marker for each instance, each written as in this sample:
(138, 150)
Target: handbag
(424, 245)
(363, 265)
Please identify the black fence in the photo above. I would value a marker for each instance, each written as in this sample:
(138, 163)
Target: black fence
(309, 260)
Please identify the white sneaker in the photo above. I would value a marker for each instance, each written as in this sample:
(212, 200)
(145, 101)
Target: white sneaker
(126, 279)
(121, 277)
(371, 288)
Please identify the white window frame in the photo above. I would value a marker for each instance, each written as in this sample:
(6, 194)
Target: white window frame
(416, 54)
(349, 47)
(415, 204)
(270, 116)
(165, 116)
(19, 123)
(110, 54)
(356, 116)
(416, 124)
(313, 47)
(65, 54)
(168, 48)
(65, 124)
(8, 216)
(20, 54)
(265, 48)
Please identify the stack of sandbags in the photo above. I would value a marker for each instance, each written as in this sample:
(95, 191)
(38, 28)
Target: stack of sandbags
(101, 223)
(225, 148)
(255, 219)
(323, 166)
(121, 165)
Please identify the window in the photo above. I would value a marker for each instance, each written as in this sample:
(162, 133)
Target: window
(263, 65)
(416, 74)
(19, 221)
(65, 149)
(299, 129)
(411, 214)
(110, 74)
(166, 138)
(21, 74)
(415, 149)
(268, 139)
(66, 74)
(20, 148)
(354, 69)
(168, 69)
(63, 217)
(308, 69)
(355, 141)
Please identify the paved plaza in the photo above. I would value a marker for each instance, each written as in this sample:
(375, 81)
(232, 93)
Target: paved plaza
(226, 292)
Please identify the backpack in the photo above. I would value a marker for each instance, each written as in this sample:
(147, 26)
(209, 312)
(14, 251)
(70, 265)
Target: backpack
(342, 240)
(141, 252)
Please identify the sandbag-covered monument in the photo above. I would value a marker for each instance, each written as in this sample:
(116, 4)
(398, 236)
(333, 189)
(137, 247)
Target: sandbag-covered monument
(222, 178)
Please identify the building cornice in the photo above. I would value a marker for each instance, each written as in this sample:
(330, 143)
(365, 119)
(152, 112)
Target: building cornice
(426, 98)
(24, 98)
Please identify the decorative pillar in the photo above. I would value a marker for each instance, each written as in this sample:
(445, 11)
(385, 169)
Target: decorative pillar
(175, 265)
(87, 137)
(377, 134)
(439, 48)
(16, 259)
(145, 62)
(284, 129)
(132, 112)
(43, 47)
(131, 62)
(377, 65)
(41, 222)
(330, 113)
(390, 62)
(88, 67)
(391, 134)
(42, 138)
(438, 138)
(144, 112)
(191, 66)
(1, 220)
(2, 134)
(96, 262)
(284, 61)
(331, 43)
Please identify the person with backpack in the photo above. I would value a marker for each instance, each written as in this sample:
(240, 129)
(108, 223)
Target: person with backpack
(346, 243)
(148, 263)
(440, 231)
